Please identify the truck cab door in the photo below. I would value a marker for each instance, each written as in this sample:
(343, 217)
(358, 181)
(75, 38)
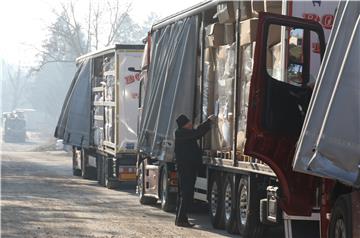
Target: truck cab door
(280, 91)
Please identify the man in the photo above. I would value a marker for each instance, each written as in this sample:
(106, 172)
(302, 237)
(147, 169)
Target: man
(188, 159)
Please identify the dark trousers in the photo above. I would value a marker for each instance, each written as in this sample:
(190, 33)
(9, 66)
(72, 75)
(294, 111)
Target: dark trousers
(186, 184)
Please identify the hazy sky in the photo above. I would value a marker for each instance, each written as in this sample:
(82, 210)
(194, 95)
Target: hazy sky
(23, 23)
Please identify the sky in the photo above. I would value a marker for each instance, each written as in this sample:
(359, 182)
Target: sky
(23, 23)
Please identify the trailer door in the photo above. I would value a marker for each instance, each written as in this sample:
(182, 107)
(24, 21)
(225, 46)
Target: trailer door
(329, 145)
(278, 102)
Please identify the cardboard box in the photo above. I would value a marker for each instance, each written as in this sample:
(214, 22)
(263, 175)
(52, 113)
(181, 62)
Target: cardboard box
(248, 29)
(265, 6)
(274, 35)
(215, 35)
(257, 6)
(276, 60)
(229, 33)
(219, 34)
(225, 12)
(272, 5)
(276, 10)
(245, 10)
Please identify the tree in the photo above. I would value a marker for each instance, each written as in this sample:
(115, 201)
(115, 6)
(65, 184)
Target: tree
(14, 87)
(74, 33)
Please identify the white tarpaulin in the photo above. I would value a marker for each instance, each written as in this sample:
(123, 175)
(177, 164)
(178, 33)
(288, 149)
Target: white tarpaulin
(128, 97)
(329, 145)
(170, 87)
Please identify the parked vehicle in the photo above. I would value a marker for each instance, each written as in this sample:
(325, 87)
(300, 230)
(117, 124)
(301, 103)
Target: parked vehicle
(14, 126)
(99, 115)
(256, 69)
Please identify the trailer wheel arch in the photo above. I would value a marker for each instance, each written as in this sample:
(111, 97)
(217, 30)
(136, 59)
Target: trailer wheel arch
(168, 204)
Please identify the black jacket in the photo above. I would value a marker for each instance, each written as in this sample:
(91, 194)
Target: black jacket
(187, 150)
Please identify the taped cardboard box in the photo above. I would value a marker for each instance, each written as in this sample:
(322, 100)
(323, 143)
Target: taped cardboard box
(272, 5)
(257, 6)
(229, 36)
(245, 10)
(274, 35)
(276, 60)
(219, 34)
(248, 29)
(215, 35)
(225, 12)
(265, 6)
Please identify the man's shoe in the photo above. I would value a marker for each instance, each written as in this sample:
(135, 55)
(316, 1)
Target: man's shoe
(185, 224)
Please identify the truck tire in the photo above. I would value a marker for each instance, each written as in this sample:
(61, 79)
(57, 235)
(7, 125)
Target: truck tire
(102, 171)
(216, 208)
(76, 171)
(229, 211)
(109, 181)
(99, 168)
(248, 206)
(340, 222)
(168, 199)
(145, 200)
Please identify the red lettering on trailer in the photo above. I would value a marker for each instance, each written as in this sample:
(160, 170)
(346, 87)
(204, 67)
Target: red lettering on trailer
(327, 21)
(311, 16)
(134, 95)
(132, 78)
(316, 47)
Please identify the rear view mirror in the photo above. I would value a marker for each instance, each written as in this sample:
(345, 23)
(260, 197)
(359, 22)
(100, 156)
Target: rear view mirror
(132, 69)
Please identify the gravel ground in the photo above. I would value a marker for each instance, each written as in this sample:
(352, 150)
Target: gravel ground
(40, 198)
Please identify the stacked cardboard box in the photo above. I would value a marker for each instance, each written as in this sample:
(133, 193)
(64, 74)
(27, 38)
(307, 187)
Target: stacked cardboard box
(218, 34)
(271, 6)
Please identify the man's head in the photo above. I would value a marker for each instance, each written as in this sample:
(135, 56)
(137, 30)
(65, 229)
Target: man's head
(183, 122)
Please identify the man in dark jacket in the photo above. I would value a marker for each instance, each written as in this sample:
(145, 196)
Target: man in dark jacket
(188, 159)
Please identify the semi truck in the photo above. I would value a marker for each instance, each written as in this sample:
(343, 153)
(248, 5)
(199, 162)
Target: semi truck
(254, 65)
(99, 115)
(14, 126)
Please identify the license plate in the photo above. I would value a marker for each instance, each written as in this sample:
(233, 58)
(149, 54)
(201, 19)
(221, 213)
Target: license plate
(127, 177)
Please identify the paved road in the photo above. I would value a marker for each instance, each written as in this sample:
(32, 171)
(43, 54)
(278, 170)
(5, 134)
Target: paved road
(41, 198)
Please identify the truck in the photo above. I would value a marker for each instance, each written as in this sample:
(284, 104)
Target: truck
(14, 125)
(99, 115)
(256, 66)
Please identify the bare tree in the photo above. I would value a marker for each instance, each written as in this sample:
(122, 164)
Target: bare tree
(14, 88)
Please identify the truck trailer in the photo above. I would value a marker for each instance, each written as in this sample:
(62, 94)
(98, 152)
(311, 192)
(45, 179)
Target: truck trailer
(99, 115)
(255, 66)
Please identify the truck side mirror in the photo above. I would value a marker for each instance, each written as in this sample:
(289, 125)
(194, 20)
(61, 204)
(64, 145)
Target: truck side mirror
(132, 69)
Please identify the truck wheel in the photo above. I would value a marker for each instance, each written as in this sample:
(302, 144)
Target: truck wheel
(340, 222)
(99, 168)
(247, 207)
(168, 200)
(146, 200)
(101, 176)
(109, 181)
(229, 210)
(83, 159)
(76, 170)
(216, 208)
